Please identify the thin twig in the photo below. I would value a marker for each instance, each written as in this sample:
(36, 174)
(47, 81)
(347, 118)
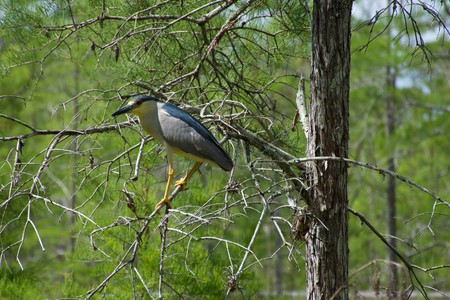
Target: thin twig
(371, 167)
(163, 229)
(387, 243)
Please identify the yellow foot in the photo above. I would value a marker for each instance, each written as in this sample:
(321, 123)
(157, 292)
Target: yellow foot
(181, 182)
(164, 201)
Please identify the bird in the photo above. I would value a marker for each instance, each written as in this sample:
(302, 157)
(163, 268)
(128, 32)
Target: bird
(180, 133)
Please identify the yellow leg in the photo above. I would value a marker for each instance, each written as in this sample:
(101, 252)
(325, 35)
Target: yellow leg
(183, 180)
(165, 200)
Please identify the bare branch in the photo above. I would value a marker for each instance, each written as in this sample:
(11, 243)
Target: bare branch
(68, 132)
(380, 170)
(302, 111)
(399, 255)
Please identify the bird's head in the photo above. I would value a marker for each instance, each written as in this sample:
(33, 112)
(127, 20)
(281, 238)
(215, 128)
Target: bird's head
(136, 106)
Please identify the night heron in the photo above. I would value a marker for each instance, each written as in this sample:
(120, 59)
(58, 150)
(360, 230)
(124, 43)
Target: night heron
(180, 133)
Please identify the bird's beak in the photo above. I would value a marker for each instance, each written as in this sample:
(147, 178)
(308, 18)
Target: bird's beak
(122, 110)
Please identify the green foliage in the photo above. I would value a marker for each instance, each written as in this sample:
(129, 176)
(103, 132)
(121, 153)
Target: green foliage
(27, 281)
(418, 145)
(65, 66)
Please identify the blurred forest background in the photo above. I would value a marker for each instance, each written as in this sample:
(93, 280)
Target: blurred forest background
(77, 186)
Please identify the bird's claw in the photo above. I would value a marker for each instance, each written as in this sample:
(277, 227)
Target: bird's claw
(164, 201)
(182, 183)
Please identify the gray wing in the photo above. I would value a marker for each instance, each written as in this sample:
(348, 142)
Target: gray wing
(184, 132)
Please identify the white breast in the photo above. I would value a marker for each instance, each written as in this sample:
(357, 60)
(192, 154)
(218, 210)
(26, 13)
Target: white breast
(148, 117)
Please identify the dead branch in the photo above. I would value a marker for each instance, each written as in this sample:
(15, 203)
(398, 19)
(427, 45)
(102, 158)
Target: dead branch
(408, 265)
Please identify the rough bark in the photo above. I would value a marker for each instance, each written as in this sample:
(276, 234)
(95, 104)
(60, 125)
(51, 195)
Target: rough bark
(327, 236)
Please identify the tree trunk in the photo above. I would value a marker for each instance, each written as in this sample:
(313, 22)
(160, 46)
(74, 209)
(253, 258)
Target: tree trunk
(391, 291)
(390, 191)
(327, 236)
